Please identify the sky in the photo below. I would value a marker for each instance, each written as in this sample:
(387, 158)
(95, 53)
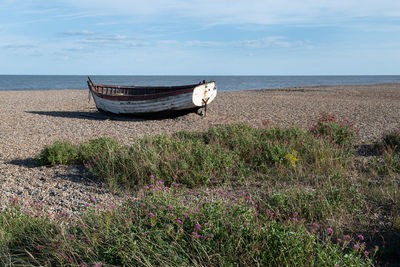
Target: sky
(200, 37)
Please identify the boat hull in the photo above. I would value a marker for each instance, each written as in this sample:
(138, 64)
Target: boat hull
(184, 98)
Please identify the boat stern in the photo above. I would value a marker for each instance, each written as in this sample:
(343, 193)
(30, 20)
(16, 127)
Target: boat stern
(204, 93)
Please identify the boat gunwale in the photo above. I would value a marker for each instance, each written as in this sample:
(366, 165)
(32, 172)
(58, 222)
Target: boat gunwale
(150, 87)
(140, 97)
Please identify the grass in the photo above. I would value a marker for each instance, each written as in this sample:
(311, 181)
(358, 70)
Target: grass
(247, 196)
(196, 159)
(389, 147)
(163, 228)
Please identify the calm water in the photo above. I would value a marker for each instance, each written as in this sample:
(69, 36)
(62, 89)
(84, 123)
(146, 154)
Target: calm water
(225, 83)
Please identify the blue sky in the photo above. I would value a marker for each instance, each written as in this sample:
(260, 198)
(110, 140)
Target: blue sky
(184, 37)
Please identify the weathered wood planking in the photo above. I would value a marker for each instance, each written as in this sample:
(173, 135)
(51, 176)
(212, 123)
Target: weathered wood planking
(140, 99)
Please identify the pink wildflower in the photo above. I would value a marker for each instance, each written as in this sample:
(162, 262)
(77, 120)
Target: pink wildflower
(196, 235)
(197, 227)
(329, 230)
(361, 237)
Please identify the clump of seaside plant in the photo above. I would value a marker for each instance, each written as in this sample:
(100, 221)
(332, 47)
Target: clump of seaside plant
(59, 153)
(391, 154)
(389, 147)
(165, 228)
(392, 140)
(62, 153)
(339, 132)
(224, 152)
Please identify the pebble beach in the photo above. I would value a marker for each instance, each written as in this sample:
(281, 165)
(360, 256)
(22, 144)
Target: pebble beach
(32, 119)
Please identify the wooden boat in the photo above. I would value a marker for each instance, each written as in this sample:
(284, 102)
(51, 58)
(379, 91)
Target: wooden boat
(148, 100)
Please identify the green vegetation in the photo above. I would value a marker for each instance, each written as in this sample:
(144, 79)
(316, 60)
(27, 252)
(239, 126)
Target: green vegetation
(392, 140)
(233, 195)
(220, 154)
(339, 132)
(58, 153)
(163, 228)
(389, 163)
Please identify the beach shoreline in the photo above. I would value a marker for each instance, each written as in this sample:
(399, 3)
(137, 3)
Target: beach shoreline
(32, 119)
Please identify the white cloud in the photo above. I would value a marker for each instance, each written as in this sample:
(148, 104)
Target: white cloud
(274, 42)
(250, 11)
(78, 33)
(279, 41)
(86, 40)
(39, 11)
(14, 46)
(266, 42)
(203, 43)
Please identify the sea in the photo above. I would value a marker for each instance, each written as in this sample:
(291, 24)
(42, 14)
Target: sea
(224, 83)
